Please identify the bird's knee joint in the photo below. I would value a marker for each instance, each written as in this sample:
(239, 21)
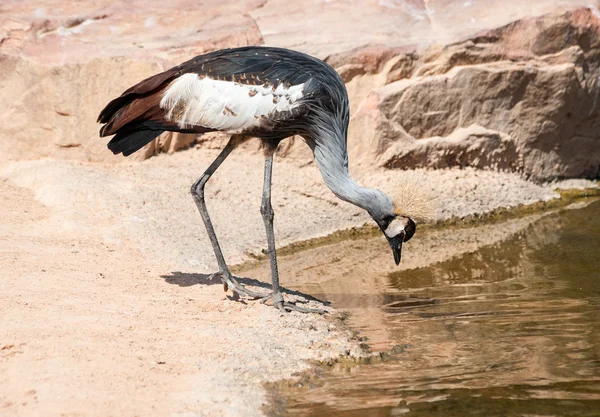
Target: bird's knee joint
(267, 212)
(197, 189)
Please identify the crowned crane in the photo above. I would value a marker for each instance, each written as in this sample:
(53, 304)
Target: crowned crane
(263, 92)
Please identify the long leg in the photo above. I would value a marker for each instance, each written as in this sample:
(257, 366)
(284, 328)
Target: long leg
(268, 215)
(198, 194)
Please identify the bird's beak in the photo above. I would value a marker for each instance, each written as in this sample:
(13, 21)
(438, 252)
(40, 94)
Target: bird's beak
(396, 245)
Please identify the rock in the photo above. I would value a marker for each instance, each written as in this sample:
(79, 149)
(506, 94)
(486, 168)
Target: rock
(416, 69)
(474, 146)
(168, 142)
(532, 87)
(51, 111)
(330, 28)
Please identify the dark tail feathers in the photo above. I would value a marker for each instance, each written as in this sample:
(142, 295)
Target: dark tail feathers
(127, 142)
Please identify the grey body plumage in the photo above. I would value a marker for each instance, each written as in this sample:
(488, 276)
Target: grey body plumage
(269, 93)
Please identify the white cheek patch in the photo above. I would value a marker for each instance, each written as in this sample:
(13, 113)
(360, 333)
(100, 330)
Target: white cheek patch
(394, 229)
(225, 105)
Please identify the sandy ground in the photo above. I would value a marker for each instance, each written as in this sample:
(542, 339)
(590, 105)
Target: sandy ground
(105, 303)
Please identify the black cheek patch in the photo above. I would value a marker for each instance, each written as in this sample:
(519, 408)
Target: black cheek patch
(410, 229)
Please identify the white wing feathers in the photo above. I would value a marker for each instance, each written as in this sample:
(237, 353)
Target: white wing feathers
(224, 105)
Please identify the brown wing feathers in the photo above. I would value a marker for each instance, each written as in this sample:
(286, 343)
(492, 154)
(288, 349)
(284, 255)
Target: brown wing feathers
(140, 90)
(135, 118)
(140, 108)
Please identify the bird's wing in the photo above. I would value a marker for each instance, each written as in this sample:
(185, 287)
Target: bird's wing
(200, 100)
(234, 90)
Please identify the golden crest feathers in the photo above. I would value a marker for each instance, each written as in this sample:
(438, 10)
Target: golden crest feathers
(412, 200)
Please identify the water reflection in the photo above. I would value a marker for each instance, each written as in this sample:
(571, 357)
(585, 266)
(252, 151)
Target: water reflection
(512, 328)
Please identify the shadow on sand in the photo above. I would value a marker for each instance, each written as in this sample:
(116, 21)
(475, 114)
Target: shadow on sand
(185, 279)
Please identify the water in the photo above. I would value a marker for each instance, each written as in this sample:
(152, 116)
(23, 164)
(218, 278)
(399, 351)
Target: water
(504, 322)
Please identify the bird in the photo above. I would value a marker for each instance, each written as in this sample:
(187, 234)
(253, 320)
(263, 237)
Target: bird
(267, 93)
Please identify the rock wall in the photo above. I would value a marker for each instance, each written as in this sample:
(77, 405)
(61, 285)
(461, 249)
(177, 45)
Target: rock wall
(524, 97)
(430, 83)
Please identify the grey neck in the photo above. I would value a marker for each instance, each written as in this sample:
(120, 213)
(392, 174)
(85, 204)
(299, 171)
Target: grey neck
(329, 148)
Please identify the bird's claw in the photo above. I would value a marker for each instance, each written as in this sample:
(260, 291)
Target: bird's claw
(281, 304)
(230, 282)
(276, 297)
(285, 306)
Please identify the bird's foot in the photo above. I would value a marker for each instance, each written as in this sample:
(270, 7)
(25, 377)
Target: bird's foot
(229, 282)
(278, 302)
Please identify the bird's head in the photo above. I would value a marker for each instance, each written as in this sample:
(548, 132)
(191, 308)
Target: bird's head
(412, 206)
(397, 230)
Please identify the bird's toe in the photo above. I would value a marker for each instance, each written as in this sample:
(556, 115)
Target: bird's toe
(293, 307)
